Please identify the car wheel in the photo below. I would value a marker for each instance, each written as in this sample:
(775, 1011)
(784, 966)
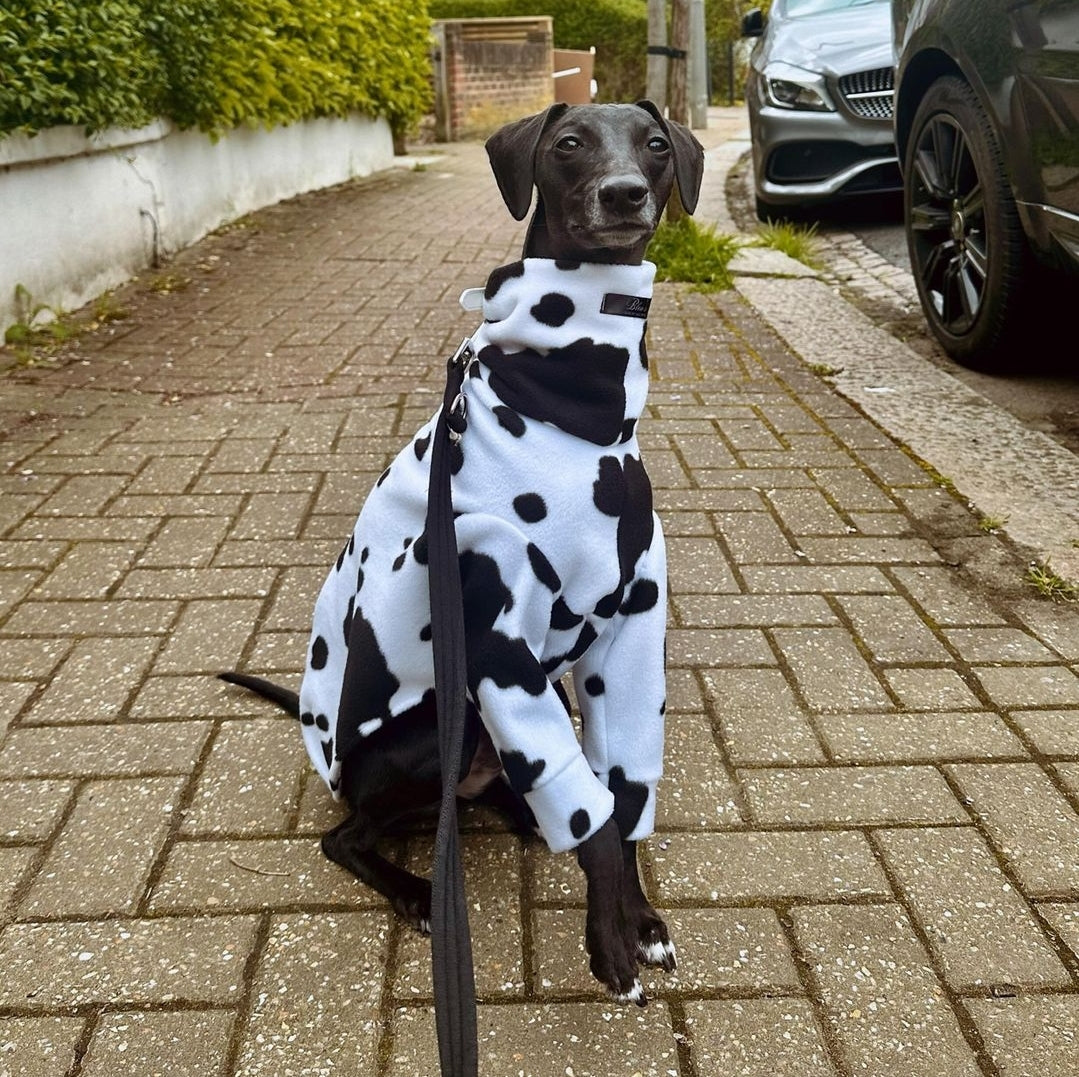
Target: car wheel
(967, 249)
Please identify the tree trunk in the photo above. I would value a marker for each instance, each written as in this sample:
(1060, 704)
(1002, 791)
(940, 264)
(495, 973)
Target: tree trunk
(678, 103)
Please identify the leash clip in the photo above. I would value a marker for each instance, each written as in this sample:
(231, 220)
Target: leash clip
(464, 355)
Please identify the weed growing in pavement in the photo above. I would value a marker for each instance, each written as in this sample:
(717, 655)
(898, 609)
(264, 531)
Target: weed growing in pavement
(1048, 584)
(795, 240)
(687, 251)
(38, 331)
(823, 370)
(106, 309)
(167, 283)
(992, 524)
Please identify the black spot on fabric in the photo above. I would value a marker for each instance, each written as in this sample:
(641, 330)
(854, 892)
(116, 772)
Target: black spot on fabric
(500, 276)
(629, 428)
(644, 354)
(609, 490)
(580, 822)
(327, 751)
(585, 640)
(399, 561)
(320, 653)
(359, 578)
(594, 685)
(383, 477)
(567, 264)
(346, 625)
(307, 718)
(509, 420)
(351, 543)
(554, 309)
(607, 606)
(636, 523)
(629, 800)
(663, 708)
(560, 691)
(364, 554)
(580, 388)
(419, 549)
(341, 557)
(419, 446)
(562, 617)
(457, 457)
(488, 594)
(521, 771)
(530, 507)
(425, 633)
(367, 685)
(474, 371)
(543, 568)
(643, 596)
(322, 722)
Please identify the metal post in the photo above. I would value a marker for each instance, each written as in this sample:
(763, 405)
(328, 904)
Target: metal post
(698, 66)
(656, 86)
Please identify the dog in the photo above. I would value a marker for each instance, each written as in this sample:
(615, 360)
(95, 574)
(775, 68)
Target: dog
(561, 555)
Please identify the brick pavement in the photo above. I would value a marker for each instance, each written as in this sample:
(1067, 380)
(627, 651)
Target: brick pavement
(868, 841)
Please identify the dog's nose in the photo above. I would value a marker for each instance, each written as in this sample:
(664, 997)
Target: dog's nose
(623, 193)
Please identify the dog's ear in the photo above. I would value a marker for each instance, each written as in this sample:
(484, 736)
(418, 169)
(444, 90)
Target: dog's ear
(688, 156)
(512, 152)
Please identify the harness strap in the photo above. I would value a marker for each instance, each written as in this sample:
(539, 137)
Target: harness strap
(451, 942)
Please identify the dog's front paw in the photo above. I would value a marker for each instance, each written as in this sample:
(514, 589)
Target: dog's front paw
(415, 907)
(655, 947)
(635, 995)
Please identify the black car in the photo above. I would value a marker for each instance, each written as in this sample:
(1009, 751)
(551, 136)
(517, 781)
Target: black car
(987, 131)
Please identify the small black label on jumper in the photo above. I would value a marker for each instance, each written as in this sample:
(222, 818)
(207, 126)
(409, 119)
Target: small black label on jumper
(629, 306)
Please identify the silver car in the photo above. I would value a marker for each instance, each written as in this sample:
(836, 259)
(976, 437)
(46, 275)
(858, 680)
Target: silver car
(819, 95)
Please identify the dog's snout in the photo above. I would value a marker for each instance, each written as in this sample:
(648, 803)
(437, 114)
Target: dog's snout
(623, 193)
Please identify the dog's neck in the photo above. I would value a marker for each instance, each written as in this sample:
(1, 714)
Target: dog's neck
(563, 342)
(539, 243)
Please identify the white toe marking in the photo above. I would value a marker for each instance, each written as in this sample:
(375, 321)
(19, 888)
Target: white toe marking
(657, 953)
(634, 994)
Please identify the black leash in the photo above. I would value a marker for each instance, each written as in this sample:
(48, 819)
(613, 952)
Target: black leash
(451, 942)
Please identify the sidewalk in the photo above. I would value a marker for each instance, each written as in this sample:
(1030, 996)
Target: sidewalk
(868, 836)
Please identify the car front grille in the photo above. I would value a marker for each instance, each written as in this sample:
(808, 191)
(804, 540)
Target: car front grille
(869, 93)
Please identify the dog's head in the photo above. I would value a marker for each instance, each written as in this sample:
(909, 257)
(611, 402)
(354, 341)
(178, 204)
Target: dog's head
(603, 173)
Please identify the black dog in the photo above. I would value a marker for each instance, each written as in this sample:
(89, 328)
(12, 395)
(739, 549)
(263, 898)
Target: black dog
(562, 560)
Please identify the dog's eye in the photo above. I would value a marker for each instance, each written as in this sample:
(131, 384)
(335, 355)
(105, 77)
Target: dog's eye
(658, 145)
(568, 143)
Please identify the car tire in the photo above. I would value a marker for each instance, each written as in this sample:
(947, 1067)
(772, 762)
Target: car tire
(968, 253)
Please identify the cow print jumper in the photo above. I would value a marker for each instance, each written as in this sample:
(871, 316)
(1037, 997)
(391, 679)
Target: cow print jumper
(562, 560)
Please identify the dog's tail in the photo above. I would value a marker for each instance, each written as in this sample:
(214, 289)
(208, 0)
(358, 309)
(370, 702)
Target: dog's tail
(286, 699)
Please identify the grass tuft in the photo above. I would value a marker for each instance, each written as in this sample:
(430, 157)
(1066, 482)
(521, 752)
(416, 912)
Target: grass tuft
(795, 240)
(686, 251)
(1048, 584)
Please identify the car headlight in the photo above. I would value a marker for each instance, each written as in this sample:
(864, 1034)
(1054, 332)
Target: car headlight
(787, 86)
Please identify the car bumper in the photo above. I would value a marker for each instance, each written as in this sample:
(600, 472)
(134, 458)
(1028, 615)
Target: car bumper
(803, 157)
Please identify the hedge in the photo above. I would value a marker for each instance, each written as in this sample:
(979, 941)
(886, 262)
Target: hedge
(211, 64)
(618, 29)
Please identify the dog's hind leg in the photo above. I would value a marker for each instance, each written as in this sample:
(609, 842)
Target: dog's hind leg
(351, 844)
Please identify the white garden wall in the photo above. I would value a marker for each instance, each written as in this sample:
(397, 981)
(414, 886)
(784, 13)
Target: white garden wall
(79, 215)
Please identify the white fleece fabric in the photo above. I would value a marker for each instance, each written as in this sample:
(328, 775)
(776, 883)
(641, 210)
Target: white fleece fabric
(561, 554)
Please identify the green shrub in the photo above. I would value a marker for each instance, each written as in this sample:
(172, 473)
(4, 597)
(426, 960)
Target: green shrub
(66, 61)
(211, 64)
(618, 29)
(686, 251)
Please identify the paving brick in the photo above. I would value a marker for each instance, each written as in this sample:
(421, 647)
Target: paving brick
(187, 542)
(754, 538)
(1030, 686)
(846, 796)
(209, 636)
(255, 874)
(15, 586)
(940, 592)
(817, 579)
(14, 867)
(103, 750)
(850, 488)
(88, 570)
(1063, 918)
(83, 495)
(589, 1039)
(760, 737)
(271, 515)
(918, 738)
(13, 695)
(1055, 625)
(997, 645)
(111, 618)
(768, 1037)
(87, 529)
(187, 1043)
(765, 867)
(694, 647)
(752, 611)
(697, 566)
(295, 597)
(884, 1006)
(189, 583)
(982, 931)
(881, 523)
(29, 810)
(316, 996)
(807, 512)
(830, 671)
(929, 689)
(1032, 824)
(1030, 1037)
(251, 779)
(697, 790)
(718, 949)
(124, 962)
(100, 864)
(1053, 733)
(867, 549)
(38, 1046)
(891, 629)
(112, 665)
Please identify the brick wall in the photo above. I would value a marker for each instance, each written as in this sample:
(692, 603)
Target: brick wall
(489, 71)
